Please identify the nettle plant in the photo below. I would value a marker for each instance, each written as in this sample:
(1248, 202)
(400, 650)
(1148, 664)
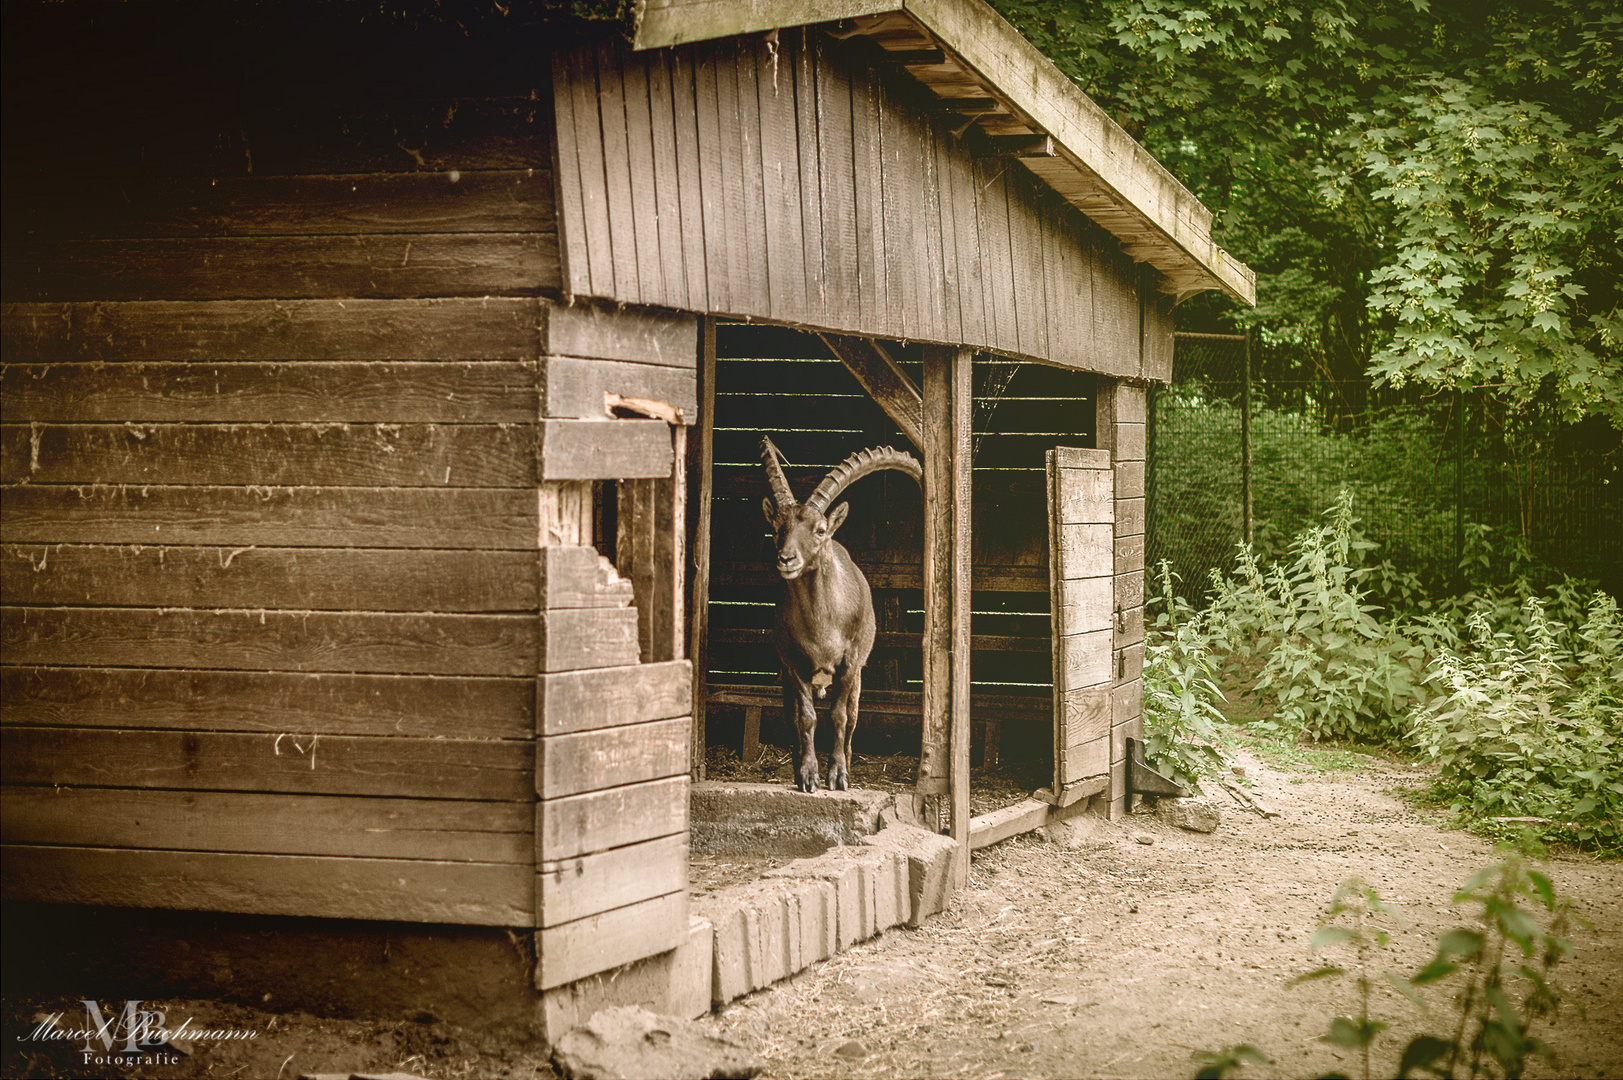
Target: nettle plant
(1527, 722)
(1331, 667)
(1499, 973)
(1181, 697)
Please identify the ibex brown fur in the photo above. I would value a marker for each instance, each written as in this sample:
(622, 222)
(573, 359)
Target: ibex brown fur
(825, 621)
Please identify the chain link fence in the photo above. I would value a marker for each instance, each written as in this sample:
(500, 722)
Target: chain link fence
(1433, 478)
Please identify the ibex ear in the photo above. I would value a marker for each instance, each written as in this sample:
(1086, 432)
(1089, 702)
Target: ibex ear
(836, 516)
(770, 509)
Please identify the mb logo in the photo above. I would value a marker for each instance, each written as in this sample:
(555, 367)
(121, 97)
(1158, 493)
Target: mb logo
(140, 1030)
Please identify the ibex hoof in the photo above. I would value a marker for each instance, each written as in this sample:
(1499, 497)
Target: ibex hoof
(837, 780)
(807, 781)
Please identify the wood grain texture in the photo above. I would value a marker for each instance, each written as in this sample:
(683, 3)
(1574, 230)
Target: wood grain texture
(245, 516)
(270, 455)
(574, 389)
(577, 638)
(601, 820)
(313, 391)
(453, 201)
(575, 888)
(261, 640)
(487, 328)
(267, 267)
(612, 757)
(421, 706)
(572, 951)
(322, 579)
(252, 822)
(830, 198)
(488, 770)
(479, 894)
(587, 700)
(597, 332)
(578, 577)
(604, 449)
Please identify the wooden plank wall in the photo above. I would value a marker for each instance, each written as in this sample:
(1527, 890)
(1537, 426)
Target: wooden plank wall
(269, 461)
(805, 185)
(614, 699)
(785, 383)
(1082, 542)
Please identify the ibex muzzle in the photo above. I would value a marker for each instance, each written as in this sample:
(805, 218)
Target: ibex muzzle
(825, 621)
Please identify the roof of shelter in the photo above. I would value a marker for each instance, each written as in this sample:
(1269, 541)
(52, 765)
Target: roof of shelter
(981, 68)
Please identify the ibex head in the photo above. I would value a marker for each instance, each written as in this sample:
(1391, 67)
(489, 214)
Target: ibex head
(803, 530)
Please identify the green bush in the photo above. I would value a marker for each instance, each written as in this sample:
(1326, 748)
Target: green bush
(1181, 699)
(1528, 721)
(1329, 666)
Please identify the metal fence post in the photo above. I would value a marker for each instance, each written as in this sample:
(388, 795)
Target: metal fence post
(1245, 443)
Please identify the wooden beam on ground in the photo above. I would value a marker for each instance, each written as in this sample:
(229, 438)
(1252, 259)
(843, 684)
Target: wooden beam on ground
(947, 456)
(884, 380)
(1010, 821)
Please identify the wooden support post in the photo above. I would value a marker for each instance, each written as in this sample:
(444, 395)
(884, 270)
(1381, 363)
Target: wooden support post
(701, 456)
(947, 454)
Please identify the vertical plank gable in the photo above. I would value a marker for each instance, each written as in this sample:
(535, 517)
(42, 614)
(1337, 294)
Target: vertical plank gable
(838, 205)
(611, 95)
(780, 183)
(757, 273)
(711, 152)
(811, 180)
(566, 159)
(581, 67)
(799, 184)
(872, 285)
(689, 178)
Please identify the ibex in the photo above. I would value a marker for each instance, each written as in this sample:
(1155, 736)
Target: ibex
(825, 621)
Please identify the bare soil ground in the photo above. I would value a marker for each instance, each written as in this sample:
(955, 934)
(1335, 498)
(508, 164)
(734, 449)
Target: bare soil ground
(1101, 957)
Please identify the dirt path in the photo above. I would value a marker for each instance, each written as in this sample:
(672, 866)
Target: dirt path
(1106, 958)
(1113, 958)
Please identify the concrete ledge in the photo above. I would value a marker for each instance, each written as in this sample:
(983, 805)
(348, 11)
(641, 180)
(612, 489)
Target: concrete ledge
(754, 819)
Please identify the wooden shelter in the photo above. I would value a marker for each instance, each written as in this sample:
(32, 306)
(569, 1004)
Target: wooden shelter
(338, 350)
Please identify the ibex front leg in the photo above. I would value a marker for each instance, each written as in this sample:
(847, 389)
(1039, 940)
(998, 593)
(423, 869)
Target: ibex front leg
(844, 716)
(798, 707)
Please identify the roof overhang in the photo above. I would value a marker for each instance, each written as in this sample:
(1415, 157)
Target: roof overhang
(980, 67)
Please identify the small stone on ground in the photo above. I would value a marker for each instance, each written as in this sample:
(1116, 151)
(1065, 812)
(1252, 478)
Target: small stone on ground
(1196, 815)
(631, 1043)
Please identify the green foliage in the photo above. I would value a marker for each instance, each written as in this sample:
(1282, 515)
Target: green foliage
(1331, 668)
(1181, 696)
(1528, 721)
(1501, 971)
(1416, 182)
(1352, 920)
(1495, 203)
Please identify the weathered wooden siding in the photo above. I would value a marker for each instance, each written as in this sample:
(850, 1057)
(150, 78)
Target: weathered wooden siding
(1082, 541)
(808, 186)
(270, 574)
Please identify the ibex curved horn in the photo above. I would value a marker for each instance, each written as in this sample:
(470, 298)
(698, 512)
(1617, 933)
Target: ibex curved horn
(782, 493)
(857, 466)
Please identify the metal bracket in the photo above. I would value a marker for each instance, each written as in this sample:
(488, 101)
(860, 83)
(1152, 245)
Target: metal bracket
(1143, 780)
